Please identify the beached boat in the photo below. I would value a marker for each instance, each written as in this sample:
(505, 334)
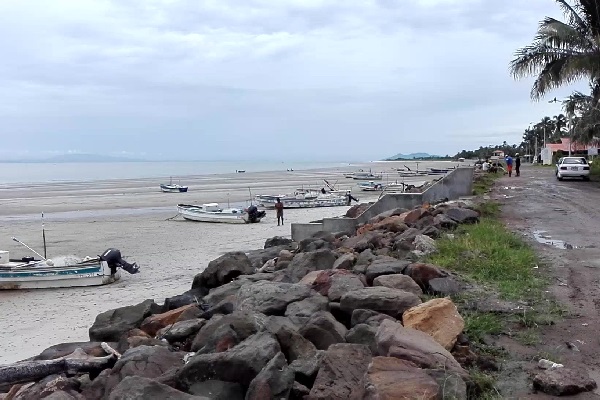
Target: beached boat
(309, 199)
(62, 272)
(438, 171)
(371, 186)
(173, 187)
(211, 212)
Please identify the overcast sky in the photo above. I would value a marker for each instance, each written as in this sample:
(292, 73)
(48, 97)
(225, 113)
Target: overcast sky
(298, 79)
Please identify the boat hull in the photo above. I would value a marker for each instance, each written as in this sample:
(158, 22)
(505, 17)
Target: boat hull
(38, 276)
(192, 213)
(173, 188)
(307, 203)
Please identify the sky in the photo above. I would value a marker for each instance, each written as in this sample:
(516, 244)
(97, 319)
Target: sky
(265, 79)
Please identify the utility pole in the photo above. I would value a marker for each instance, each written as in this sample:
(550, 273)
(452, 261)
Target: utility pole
(536, 152)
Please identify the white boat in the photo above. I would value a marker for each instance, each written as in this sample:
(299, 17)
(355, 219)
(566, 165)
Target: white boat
(371, 186)
(211, 212)
(363, 175)
(173, 187)
(304, 200)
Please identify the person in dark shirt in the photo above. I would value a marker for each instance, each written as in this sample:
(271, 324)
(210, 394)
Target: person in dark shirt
(517, 165)
(279, 210)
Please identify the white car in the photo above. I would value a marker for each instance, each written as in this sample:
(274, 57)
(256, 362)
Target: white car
(573, 167)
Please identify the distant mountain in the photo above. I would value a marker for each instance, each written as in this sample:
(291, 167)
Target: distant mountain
(77, 158)
(411, 156)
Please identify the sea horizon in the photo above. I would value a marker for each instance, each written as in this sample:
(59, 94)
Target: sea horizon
(49, 172)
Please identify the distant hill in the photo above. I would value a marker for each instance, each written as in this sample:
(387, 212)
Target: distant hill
(411, 156)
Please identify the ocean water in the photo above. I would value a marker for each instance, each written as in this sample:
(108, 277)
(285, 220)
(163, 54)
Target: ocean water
(83, 172)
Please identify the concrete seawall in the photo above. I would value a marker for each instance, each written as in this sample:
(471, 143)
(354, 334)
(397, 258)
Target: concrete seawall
(454, 185)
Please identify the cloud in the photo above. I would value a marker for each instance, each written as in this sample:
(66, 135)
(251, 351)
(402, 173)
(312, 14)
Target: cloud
(298, 78)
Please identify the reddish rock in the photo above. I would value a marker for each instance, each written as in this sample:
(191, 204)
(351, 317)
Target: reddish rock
(156, 322)
(412, 216)
(390, 224)
(390, 378)
(423, 273)
(321, 281)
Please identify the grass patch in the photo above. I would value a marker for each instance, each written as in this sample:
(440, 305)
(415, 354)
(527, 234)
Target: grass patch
(483, 183)
(478, 325)
(488, 253)
(595, 169)
(489, 209)
(529, 337)
(482, 386)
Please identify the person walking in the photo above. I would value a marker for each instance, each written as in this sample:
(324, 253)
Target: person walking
(279, 210)
(517, 165)
(509, 165)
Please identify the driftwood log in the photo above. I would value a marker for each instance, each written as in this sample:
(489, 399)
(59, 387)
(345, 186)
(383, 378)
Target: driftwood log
(73, 364)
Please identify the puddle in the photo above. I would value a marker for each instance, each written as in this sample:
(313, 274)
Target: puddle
(543, 238)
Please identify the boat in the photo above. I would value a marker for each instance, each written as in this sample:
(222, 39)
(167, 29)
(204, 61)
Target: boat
(211, 212)
(363, 175)
(173, 187)
(439, 171)
(371, 186)
(307, 199)
(61, 272)
(408, 174)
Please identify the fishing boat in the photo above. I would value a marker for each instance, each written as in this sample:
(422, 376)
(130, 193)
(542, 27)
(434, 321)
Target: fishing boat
(61, 272)
(211, 212)
(371, 186)
(173, 187)
(439, 171)
(309, 199)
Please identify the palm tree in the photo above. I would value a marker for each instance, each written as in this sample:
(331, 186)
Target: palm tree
(560, 123)
(563, 52)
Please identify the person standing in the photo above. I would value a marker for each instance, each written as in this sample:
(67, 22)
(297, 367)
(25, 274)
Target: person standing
(279, 210)
(517, 165)
(509, 165)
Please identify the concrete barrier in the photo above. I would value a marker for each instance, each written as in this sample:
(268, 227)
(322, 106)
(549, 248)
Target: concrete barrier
(457, 183)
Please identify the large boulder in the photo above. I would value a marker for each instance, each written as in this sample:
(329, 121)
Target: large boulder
(445, 286)
(357, 210)
(278, 241)
(274, 382)
(270, 298)
(439, 318)
(423, 273)
(192, 296)
(462, 215)
(64, 349)
(180, 331)
(385, 266)
(424, 245)
(300, 311)
(217, 390)
(139, 388)
(345, 261)
(156, 322)
(442, 221)
(342, 284)
(218, 294)
(394, 340)
(323, 330)
(392, 302)
(223, 270)
(240, 364)
(412, 216)
(398, 281)
(221, 334)
(563, 382)
(110, 325)
(303, 263)
(342, 373)
(363, 334)
(389, 224)
(259, 257)
(391, 378)
(368, 317)
(50, 387)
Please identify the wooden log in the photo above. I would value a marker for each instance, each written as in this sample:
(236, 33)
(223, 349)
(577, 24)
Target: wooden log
(74, 363)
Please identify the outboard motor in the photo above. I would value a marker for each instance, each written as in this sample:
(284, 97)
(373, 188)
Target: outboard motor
(252, 213)
(114, 260)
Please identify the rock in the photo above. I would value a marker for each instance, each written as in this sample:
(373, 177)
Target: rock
(357, 210)
(303, 356)
(307, 307)
(189, 297)
(224, 307)
(299, 391)
(285, 255)
(216, 295)
(180, 331)
(62, 395)
(217, 390)
(394, 340)
(398, 281)
(412, 216)
(342, 284)
(425, 244)
(270, 298)
(391, 378)
(342, 373)
(563, 382)
(64, 349)
(303, 263)
(277, 241)
(110, 325)
(313, 244)
(407, 236)
(423, 273)
(346, 261)
(240, 364)
(274, 323)
(136, 338)
(360, 242)
(139, 388)
(259, 257)
(156, 322)
(452, 386)
(365, 258)
(439, 318)
(221, 334)
(223, 270)
(462, 215)
(369, 317)
(323, 330)
(66, 388)
(389, 224)
(392, 302)
(442, 221)
(363, 334)
(384, 266)
(432, 232)
(274, 382)
(444, 286)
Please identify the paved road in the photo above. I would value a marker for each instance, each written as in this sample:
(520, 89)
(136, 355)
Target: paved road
(563, 220)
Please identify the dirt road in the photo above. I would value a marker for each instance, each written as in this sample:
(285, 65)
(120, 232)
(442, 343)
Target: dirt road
(562, 220)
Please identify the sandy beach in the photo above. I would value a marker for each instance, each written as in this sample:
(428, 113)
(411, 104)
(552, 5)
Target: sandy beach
(85, 218)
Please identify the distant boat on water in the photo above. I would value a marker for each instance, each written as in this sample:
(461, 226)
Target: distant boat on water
(173, 187)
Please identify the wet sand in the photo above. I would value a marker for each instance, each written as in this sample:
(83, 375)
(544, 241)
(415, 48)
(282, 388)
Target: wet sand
(85, 218)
